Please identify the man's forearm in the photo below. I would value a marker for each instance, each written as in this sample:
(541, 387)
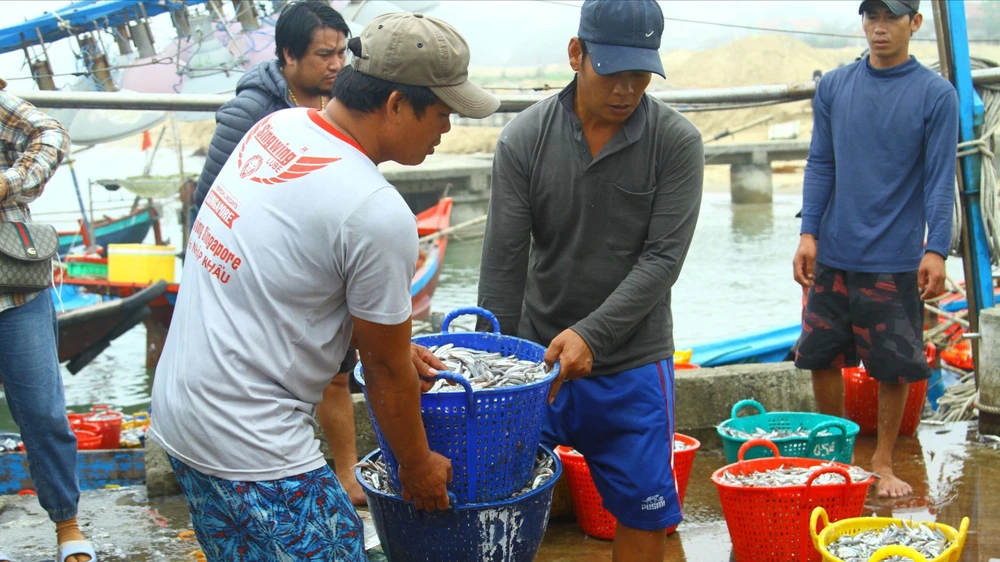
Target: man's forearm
(394, 397)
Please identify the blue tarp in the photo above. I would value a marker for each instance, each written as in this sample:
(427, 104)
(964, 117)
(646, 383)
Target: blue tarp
(80, 17)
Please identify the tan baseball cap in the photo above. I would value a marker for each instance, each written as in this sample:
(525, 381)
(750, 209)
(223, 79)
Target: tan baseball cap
(417, 50)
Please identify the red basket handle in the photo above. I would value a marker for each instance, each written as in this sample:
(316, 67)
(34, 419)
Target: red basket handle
(827, 470)
(757, 443)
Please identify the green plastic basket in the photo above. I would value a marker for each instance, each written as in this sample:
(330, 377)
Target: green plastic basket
(85, 269)
(834, 446)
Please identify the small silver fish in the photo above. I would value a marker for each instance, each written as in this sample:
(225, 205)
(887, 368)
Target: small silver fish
(859, 547)
(792, 476)
(761, 433)
(486, 369)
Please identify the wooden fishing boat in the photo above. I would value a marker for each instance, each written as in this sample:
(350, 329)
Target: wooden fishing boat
(432, 252)
(88, 329)
(129, 229)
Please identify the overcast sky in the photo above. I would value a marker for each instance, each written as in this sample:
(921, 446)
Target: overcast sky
(529, 32)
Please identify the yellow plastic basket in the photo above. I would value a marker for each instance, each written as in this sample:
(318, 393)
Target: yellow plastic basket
(833, 531)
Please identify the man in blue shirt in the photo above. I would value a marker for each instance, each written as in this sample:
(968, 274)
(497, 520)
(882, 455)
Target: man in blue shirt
(881, 172)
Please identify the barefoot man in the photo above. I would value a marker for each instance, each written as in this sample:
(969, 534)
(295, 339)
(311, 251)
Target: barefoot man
(881, 172)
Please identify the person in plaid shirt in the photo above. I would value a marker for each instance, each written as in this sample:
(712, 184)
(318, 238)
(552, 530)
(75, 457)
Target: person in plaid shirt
(32, 145)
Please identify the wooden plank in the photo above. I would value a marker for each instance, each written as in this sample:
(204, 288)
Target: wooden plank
(95, 469)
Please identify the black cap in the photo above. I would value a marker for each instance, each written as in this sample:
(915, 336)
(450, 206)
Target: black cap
(622, 36)
(898, 7)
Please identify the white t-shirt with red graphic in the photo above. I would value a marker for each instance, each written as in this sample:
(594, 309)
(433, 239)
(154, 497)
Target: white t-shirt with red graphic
(299, 232)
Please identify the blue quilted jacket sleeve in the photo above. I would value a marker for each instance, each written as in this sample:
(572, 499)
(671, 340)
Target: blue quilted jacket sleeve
(232, 120)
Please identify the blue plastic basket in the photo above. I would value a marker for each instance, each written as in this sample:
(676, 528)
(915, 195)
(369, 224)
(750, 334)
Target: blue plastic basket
(490, 435)
(835, 446)
(510, 530)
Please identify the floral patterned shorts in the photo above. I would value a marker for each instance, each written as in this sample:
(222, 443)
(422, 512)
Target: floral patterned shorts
(307, 517)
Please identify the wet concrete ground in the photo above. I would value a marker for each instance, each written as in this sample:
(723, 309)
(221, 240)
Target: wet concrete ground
(953, 476)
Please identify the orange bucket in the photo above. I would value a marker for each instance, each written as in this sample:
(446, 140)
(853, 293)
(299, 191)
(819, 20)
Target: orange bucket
(861, 400)
(771, 524)
(593, 519)
(88, 435)
(109, 423)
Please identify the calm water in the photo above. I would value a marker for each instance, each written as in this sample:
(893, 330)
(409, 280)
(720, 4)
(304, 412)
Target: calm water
(737, 277)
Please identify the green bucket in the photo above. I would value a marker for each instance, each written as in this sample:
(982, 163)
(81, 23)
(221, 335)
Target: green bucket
(833, 445)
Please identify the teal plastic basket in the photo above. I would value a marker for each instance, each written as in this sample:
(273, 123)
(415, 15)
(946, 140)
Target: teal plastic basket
(834, 446)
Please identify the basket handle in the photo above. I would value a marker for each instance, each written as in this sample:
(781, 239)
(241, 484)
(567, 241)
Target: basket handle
(757, 443)
(460, 380)
(840, 444)
(744, 403)
(479, 311)
(470, 416)
(832, 469)
(817, 514)
(897, 550)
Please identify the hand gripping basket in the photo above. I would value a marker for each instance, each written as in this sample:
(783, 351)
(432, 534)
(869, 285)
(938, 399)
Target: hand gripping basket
(509, 530)
(771, 524)
(833, 531)
(491, 435)
(837, 445)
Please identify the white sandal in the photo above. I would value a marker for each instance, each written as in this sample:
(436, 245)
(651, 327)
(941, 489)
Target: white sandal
(76, 548)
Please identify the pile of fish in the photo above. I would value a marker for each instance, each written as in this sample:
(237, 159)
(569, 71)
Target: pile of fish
(792, 476)
(484, 369)
(545, 468)
(376, 475)
(860, 547)
(761, 433)
(680, 445)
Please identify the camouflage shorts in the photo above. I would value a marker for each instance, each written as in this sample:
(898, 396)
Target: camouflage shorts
(876, 318)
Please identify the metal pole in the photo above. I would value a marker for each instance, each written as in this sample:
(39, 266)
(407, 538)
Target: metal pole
(971, 112)
(508, 103)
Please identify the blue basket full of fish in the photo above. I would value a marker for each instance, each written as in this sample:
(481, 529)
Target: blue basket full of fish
(797, 434)
(509, 530)
(485, 413)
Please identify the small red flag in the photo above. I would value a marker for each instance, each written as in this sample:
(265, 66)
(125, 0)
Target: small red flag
(147, 141)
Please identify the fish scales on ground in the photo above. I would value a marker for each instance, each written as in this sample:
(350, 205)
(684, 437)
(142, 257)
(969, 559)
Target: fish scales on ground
(376, 475)
(486, 369)
(770, 435)
(926, 540)
(792, 476)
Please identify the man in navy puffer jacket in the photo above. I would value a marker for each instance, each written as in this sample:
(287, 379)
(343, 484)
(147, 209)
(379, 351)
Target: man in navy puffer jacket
(310, 41)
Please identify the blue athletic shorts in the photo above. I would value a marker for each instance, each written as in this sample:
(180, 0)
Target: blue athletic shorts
(306, 518)
(623, 424)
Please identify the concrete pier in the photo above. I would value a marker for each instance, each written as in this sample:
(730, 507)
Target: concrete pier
(751, 183)
(989, 371)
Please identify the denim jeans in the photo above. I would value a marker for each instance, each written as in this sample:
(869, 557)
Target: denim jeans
(29, 369)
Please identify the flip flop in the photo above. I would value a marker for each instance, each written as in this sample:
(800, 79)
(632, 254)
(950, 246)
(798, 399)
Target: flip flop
(5, 558)
(72, 548)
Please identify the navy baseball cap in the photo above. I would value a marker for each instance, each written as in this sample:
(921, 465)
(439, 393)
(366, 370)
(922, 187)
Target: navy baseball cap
(622, 35)
(897, 7)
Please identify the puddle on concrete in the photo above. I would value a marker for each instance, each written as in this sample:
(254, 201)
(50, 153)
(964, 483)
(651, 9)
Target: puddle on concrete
(952, 474)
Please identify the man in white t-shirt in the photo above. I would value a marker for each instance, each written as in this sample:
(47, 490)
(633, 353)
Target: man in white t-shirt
(299, 244)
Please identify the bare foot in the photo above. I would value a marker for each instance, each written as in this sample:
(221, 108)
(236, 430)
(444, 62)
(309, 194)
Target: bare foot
(888, 485)
(354, 491)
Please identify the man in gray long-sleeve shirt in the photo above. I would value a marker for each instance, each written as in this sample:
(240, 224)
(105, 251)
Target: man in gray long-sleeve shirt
(594, 201)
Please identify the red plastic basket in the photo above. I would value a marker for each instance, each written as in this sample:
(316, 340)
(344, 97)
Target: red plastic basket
(109, 423)
(861, 399)
(88, 435)
(593, 519)
(771, 524)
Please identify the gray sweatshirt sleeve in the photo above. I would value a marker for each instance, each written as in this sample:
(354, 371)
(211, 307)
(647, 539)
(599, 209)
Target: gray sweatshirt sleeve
(504, 267)
(671, 227)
